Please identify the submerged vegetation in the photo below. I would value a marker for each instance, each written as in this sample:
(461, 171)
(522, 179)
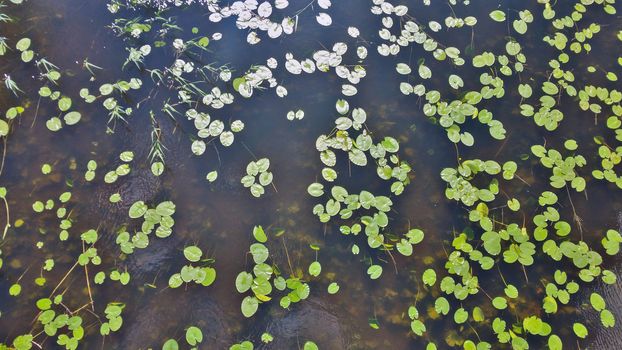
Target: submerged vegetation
(461, 161)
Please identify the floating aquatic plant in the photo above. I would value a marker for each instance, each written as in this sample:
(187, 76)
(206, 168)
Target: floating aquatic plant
(194, 336)
(264, 277)
(203, 274)
(159, 218)
(512, 221)
(257, 176)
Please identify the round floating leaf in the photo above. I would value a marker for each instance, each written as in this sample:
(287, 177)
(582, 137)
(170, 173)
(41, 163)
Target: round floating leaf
(309, 345)
(580, 330)
(44, 304)
(4, 128)
(455, 81)
(404, 247)
(333, 288)
(243, 281)
(193, 253)
(46, 169)
(126, 156)
(157, 168)
(425, 72)
(511, 291)
(23, 44)
(415, 236)
(460, 316)
(170, 344)
(259, 234)
(597, 301)
(138, 209)
(607, 318)
(417, 327)
(72, 118)
(316, 189)
(260, 252)
(429, 277)
(245, 345)
(38, 206)
(497, 15)
(520, 26)
(257, 190)
(226, 138)
(212, 176)
(524, 90)
(441, 305)
(555, 342)
(265, 178)
(403, 68)
(210, 276)
(500, 303)
(27, 56)
(478, 314)
(315, 268)
(15, 289)
(166, 208)
(106, 89)
(64, 104)
(249, 306)
(194, 336)
(54, 124)
(374, 271)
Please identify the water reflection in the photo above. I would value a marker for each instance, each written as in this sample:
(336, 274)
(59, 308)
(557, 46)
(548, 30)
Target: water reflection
(219, 217)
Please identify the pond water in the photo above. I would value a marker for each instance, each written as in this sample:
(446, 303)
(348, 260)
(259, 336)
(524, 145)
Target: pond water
(219, 216)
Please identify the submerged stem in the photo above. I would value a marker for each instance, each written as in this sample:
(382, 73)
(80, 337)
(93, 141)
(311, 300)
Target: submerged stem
(8, 218)
(3, 155)
(289, 262)
(88, 282)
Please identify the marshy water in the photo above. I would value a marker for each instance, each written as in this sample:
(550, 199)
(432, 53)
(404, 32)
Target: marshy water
(367, 312)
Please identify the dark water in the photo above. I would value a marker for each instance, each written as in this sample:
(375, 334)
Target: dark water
(219, 217)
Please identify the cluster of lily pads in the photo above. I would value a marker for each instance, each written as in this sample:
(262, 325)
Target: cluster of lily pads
(264, 277)
(49, 73)
(514, 242)
(257, 176)
(535, 236)
(193, 336)
(266, 338)
(351, 137)
(563, 169)
(193, 83)
(55, 318)
(159, 218)
(203, 274)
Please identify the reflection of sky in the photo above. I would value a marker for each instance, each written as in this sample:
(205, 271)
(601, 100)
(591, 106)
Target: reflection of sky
(219, 217)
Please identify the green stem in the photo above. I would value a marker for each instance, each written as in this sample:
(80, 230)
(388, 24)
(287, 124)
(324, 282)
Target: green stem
(8, 218)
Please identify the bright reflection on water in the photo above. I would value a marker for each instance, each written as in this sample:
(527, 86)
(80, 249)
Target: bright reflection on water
(219, 217)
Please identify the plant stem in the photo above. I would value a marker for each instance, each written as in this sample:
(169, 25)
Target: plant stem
(8, 218)
(287, 254)
(88, 282)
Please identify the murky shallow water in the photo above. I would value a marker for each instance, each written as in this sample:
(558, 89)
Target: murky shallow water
(219, 217)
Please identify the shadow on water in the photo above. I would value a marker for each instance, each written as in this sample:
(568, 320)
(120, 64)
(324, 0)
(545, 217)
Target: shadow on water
(219, 216)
